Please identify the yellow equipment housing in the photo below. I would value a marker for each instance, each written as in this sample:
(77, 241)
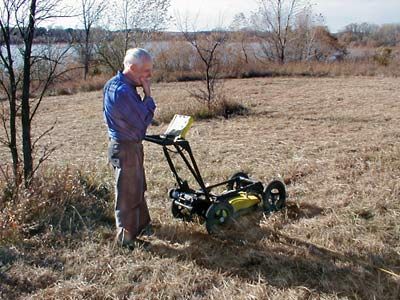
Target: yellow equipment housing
(244, 201)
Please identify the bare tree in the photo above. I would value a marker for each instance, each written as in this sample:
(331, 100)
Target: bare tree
(132, 24)
(92, 11)
(274, 21)
(21, 17)
(9, 82)
(306, 29)
(207, 46)
(240, 26)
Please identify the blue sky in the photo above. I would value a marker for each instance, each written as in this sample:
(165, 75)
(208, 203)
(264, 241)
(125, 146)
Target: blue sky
(337, 13)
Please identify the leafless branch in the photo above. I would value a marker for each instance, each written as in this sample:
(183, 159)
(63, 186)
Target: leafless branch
(50, 77)
(46, 132)
(47, 151)
(4, 124)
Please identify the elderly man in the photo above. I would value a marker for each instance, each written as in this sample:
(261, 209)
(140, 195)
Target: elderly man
(127, 116)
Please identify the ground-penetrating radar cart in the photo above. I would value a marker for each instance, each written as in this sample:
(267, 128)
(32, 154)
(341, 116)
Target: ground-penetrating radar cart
(242, 194)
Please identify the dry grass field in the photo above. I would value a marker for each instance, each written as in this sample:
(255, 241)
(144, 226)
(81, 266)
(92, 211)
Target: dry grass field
(334, 141)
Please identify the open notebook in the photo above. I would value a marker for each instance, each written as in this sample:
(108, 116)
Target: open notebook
(179, 126)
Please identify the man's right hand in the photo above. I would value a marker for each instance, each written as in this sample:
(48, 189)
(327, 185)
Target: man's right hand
(146, 86)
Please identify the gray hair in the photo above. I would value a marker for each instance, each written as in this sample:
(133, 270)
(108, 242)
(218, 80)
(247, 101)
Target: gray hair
(136, 56)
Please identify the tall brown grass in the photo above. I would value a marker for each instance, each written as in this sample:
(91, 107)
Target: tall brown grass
(334, 141)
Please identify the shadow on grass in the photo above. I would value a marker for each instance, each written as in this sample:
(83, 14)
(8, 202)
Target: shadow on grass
(14, 283)
(279, 260)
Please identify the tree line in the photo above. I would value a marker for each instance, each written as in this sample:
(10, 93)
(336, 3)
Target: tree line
(352, 35)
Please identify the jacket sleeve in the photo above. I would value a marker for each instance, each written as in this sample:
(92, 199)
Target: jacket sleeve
(134, 111)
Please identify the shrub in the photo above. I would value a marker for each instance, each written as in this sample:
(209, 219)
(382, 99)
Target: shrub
(200, 111)
(65, 200)
(383, 56)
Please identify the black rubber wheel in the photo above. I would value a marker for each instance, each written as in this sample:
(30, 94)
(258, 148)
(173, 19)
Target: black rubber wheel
(274, 197)
(178, 212)
(234, 185)
(218, 214)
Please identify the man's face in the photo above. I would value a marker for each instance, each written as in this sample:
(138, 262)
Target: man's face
(143, 71)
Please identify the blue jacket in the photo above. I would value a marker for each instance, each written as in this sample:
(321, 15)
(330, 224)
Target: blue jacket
(125, 113)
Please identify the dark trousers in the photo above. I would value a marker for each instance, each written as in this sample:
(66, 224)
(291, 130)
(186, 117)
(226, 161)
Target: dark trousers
(131, 212)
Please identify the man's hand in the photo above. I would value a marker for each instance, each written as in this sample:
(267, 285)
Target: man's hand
(146, 86)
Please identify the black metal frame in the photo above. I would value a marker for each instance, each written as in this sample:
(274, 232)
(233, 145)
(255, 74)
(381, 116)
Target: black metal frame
(181, 146)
